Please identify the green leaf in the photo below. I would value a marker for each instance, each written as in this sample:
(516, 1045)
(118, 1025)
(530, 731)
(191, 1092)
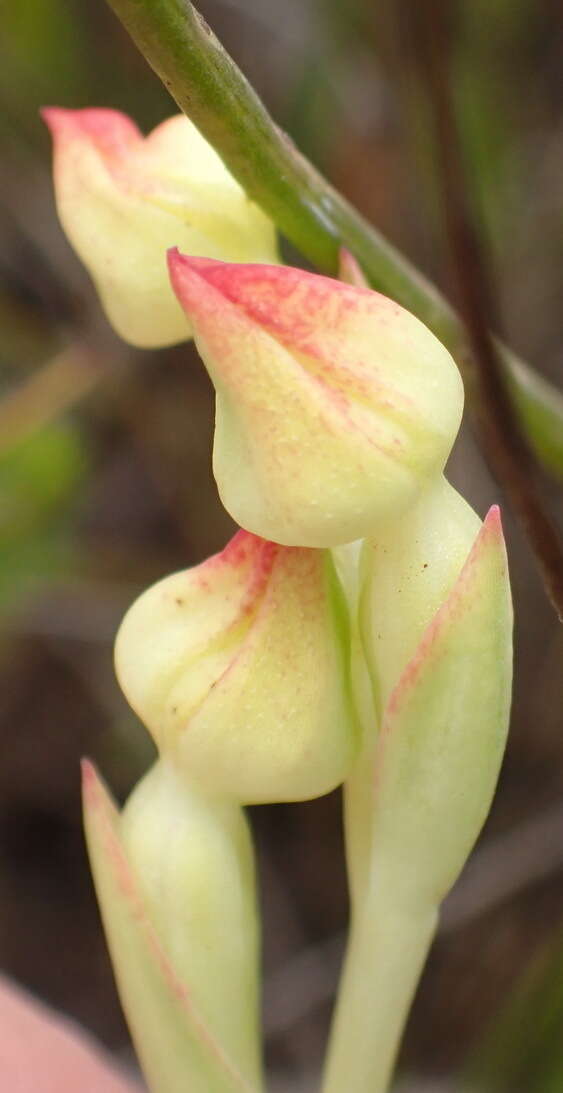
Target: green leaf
(522, 1049)
(38, 477)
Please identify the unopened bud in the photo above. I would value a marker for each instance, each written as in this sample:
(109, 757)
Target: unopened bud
(238, 667)
(123, 199)
(334, 405)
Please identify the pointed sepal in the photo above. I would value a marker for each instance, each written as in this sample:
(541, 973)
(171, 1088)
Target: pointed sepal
(444, 730)
(175, 887)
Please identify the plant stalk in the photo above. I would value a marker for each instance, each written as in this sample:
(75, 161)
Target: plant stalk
(386, 953)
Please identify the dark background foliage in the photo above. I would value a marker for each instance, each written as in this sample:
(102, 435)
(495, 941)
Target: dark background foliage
(105, 485)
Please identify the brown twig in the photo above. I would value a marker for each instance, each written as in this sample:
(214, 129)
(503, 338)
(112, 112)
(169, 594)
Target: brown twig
(429, 35)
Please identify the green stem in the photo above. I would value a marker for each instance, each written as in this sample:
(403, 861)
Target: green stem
(386, 953)
(209, 87)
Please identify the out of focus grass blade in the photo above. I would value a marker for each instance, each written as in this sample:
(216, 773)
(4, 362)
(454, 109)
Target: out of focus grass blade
(38, 478)
(522, 1051)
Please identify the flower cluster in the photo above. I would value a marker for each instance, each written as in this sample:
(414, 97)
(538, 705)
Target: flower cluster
(355, 630)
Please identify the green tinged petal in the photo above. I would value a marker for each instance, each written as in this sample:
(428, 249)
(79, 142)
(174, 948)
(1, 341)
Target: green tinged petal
(444, 730)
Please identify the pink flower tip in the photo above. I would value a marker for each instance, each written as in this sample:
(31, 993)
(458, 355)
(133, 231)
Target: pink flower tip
(89, 777)
(187, 274)
(491, 531)
(177, 261)
(349, 269)
(493, 521)
(174, 258)
(227, 276)
(51, 115)
(108, 129)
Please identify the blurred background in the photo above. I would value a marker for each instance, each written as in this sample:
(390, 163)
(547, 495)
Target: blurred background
(105, 486)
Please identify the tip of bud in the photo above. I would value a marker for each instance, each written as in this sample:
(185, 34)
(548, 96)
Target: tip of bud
(109, 131)
(176, 262)
(91, 784)
(192, 262)
(54, 116)
(88, 772)
(289, 303)
(195, 291)
(349, 269)
(189, 274)
(492, 524)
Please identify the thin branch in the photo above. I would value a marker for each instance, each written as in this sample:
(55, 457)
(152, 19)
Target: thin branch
(428, 26)
(209, 87)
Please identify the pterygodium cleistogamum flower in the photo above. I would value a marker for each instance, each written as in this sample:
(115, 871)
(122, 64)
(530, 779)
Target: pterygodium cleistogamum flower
(123, 199)
(335, 407)
(238, 667)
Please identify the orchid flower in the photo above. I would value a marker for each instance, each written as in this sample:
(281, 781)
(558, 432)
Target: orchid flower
(356, 630)
(123, 199)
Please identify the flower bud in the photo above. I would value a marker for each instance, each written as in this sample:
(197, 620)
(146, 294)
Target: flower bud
(334, 405)
(174, 877)
(444, 729)
(123, 199)
(238, 669)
